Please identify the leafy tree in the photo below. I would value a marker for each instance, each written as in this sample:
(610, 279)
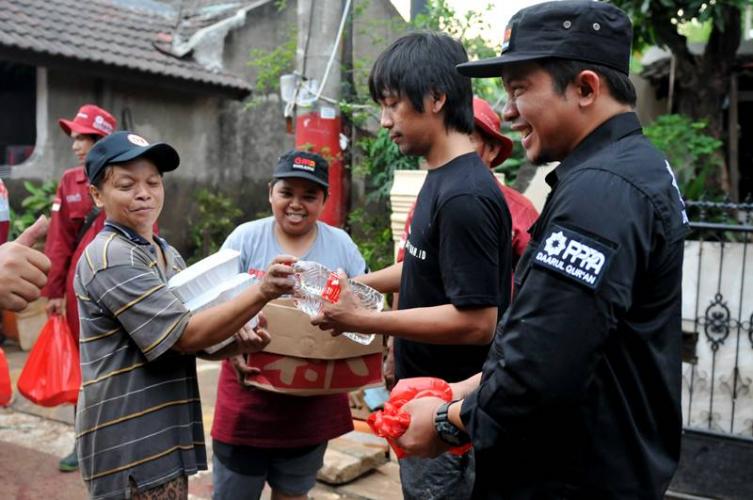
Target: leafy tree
(690, 151)
(701, 81)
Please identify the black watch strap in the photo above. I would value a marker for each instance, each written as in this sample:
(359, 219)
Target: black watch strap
(446, 430)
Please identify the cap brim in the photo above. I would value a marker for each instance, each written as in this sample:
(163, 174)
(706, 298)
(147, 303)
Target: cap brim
(505, 150)
(164, 156)
(302, 175)
(491, 67)
(69, 126)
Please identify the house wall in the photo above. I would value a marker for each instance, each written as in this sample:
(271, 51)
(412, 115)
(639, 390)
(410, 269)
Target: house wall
(647, 106)
(224, 144)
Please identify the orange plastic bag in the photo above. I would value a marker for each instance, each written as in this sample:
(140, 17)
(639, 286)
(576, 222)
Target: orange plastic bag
(392, 422)
(52, 375)
(6, 390)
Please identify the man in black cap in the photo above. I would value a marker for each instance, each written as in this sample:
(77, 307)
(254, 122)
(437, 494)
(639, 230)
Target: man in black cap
(580, 394)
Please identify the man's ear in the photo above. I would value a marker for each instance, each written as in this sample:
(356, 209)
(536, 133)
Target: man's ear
(438, 101)
(588, 87)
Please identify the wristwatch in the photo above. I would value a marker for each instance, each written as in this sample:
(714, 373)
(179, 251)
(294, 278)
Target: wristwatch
(447, 431)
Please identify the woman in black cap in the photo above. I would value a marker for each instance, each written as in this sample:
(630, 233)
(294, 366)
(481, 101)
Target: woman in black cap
(139, 426)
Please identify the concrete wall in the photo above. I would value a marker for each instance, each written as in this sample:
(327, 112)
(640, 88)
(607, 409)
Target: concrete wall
(224, 144)
(647, 106)
(221, 145)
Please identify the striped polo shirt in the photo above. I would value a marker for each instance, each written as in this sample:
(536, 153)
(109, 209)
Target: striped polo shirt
(139, 414)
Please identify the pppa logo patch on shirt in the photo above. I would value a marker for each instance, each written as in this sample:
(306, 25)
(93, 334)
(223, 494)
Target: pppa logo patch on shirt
(574, 255)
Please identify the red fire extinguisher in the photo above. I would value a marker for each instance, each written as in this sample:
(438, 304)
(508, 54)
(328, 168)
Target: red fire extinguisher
(4, 213)
(319, 130)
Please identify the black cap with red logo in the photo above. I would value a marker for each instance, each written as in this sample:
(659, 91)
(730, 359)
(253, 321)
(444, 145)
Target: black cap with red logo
(303, 165)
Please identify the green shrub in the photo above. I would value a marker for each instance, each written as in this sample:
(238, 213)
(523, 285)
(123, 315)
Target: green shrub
(38, 202)
(692, 152)
(215, 219)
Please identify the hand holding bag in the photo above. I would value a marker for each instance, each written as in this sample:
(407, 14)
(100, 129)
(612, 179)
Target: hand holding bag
(52, 375)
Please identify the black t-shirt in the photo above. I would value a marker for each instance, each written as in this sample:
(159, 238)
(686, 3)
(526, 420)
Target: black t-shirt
(580, 396)
(458, 252)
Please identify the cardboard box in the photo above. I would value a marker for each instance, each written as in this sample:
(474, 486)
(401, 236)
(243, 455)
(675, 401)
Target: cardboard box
(293, 335)
(314, 377)
(303, 360)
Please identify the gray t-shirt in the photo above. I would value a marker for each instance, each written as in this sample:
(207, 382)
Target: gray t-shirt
(258, 245)
(265, 419)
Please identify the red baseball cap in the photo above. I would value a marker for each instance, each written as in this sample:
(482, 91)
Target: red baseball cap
(488, 121)
(90, 119)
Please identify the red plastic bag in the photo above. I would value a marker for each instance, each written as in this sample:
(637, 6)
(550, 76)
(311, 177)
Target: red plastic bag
(392, 422)
(6, 390)
(52, 375)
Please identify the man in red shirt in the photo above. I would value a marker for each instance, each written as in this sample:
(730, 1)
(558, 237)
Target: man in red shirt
(74, 223)
(493, 148)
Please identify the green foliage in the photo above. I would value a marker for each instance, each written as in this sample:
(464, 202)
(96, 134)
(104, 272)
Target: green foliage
(216, 217)
(271, 64)
(38, 202)
(691, 151)
(371, 224)
(381, 158)
(372, 235)
(654, 20)
(696, 31)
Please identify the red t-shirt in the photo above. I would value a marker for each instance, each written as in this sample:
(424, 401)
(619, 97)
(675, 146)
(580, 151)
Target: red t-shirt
(522, 212)
(285, 421)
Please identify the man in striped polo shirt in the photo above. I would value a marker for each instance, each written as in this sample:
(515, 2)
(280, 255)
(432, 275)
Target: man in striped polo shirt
(139, 430)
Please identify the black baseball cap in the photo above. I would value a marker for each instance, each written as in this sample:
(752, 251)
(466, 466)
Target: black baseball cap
(303, 165)
(124, 146)
(581, 30)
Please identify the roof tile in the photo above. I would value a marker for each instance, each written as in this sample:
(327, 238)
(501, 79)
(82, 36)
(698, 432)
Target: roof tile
(102, 33)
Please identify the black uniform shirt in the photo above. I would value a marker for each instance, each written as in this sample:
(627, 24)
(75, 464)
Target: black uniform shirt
(580, 394)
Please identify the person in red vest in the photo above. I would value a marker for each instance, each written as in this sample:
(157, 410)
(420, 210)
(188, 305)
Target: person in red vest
(493, 148)
(74, 224)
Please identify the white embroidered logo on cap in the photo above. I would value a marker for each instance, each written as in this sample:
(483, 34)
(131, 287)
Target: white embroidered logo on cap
(137, 140)
(101, 124)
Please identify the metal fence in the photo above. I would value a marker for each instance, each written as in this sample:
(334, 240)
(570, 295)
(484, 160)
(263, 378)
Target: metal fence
(718, 319)
(717, 385)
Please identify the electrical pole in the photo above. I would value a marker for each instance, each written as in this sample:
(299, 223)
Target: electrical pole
(319, 57)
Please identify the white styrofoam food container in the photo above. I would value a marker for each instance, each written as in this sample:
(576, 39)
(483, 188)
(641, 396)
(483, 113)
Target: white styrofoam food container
(206, 274)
